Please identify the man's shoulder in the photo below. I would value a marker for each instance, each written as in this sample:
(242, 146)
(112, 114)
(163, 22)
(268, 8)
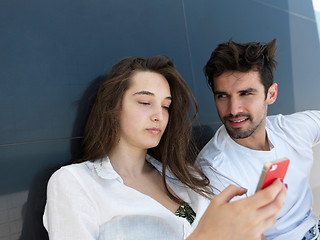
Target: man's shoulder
(292, 120)
(215, 146)
(301, 114)
(297, 127)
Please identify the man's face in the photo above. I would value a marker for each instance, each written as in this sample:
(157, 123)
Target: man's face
(241, 103)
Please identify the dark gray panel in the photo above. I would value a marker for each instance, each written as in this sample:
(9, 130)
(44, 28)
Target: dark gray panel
(212, 22)
(24, 162)
(274, 3)
(302, 8)
(305, 50)
(294, 7)
(52, 50)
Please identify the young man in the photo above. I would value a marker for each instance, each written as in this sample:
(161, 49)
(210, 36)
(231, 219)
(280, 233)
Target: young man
(241, 78)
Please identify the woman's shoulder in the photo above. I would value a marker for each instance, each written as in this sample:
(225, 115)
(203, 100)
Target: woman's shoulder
(72, 172)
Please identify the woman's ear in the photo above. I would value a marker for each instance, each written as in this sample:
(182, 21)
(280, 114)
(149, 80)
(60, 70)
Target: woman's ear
(272, 94)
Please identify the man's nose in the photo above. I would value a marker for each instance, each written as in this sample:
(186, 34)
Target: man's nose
(235, 106)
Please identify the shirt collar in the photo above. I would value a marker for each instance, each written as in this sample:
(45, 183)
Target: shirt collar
(105, 170)
(158, 165)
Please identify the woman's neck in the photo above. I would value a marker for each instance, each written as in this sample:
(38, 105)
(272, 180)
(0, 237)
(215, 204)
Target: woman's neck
(128, 161)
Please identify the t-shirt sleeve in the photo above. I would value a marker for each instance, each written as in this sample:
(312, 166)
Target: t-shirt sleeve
(69, 212)
(314, 126)
(307, 126)
(301, 128)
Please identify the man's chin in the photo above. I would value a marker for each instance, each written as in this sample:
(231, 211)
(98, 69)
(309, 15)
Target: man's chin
(238, 134)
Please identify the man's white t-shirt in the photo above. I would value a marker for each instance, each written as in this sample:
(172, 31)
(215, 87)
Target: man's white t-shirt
(292, 136)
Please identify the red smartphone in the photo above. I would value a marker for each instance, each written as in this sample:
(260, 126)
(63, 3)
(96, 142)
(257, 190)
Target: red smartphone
(271, 171)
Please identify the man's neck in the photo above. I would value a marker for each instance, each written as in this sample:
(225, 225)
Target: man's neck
(257, 141)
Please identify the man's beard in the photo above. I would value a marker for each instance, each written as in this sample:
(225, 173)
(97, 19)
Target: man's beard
(238, 133)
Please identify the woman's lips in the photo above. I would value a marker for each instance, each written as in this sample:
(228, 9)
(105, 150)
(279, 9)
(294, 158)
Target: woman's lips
(154, 131)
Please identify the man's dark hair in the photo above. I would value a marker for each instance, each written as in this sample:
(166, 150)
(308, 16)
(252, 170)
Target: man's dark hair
(243, 57)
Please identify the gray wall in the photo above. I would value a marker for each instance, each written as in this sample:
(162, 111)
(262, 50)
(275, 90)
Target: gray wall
(51, 52)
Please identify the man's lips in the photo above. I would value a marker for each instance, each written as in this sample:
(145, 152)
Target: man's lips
(154, 131)
(238, 122)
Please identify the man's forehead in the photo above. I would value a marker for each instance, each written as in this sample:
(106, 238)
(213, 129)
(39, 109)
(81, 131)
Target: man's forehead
(232, 79)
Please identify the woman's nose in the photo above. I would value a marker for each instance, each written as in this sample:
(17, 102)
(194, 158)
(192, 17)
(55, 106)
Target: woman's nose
(157, 114)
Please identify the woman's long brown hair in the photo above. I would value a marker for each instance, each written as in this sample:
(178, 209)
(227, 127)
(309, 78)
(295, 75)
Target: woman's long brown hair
(176, 150)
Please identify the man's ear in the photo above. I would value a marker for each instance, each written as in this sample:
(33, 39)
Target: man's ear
(272, 94)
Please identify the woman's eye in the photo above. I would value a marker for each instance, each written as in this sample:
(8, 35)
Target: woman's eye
(166, 107)
(144, 103)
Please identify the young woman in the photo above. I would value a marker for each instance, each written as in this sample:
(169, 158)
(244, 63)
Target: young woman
(119, 191)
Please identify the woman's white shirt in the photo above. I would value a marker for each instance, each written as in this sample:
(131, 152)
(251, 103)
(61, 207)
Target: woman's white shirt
(90, 201)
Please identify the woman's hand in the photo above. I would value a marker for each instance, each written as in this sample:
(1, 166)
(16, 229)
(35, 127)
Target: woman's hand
(242, 219)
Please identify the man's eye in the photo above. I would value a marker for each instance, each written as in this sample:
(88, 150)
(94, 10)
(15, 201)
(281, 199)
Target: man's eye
(220, 96)
(245, 94)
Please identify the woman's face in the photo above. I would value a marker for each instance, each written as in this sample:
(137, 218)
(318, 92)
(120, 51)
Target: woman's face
(144, 112)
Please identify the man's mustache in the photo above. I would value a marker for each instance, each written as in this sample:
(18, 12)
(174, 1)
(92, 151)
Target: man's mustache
(231, 116)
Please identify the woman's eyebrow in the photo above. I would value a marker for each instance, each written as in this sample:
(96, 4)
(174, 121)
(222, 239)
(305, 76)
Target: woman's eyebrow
(144, 93)
(149, 94)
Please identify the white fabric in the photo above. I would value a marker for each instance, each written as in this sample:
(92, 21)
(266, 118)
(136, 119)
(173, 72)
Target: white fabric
(89, 201)
(226, 162)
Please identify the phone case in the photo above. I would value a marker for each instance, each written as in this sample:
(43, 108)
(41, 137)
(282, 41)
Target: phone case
(271, 171)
